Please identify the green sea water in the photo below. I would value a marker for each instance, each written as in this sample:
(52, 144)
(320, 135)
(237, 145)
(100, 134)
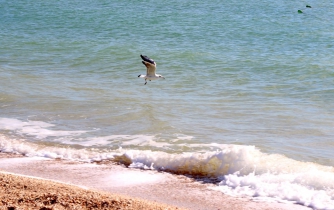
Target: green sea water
(255, 74)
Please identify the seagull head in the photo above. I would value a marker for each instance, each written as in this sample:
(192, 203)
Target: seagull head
(160, 76)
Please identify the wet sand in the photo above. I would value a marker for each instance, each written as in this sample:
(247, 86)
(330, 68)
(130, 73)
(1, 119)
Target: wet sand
(35, 183)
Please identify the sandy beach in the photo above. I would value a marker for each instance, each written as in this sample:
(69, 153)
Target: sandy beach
(34, 183)
(19, 192)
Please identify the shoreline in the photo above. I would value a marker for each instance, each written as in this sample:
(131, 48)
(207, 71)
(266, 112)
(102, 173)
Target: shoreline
(113, 185)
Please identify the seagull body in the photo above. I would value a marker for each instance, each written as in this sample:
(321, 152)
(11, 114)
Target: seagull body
(151, 66)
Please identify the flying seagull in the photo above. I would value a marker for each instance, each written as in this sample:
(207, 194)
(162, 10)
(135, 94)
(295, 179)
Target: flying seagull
(151, 67)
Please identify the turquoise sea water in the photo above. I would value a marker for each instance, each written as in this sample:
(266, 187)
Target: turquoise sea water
(249, 89)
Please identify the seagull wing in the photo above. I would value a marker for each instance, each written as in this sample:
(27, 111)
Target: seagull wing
(147, 59)
(150, 65)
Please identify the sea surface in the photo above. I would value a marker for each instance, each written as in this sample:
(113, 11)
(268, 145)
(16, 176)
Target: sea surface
(248, 97)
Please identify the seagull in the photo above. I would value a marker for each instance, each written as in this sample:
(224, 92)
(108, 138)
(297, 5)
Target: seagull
(151, 67)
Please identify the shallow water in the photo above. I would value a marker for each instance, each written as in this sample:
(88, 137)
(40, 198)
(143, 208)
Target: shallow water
(244, 82)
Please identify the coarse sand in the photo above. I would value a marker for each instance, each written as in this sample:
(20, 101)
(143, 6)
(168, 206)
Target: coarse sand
(19, 192)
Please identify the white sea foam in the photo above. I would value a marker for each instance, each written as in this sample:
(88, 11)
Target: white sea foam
(183, 137)
(42, 130)
(243, 170)
(121, 140)
(312, 189)
(130, 140)
(37, 129)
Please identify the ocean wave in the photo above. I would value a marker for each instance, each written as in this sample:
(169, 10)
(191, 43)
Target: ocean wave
(240, 170)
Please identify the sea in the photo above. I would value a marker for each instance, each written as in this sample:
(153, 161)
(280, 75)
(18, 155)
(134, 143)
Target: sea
(247, 99)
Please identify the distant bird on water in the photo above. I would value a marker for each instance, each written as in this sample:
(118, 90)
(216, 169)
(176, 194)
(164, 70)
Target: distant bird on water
(151, 67)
